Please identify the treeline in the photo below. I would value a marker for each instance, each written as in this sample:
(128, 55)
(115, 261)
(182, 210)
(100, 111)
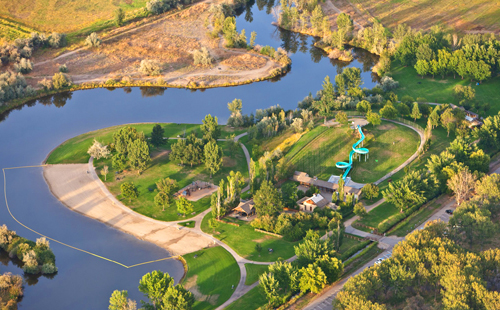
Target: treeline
(37, 257)
(428, 270)
(11, 290)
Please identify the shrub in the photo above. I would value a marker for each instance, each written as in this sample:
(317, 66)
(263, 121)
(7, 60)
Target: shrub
(46, 84)
(57, 40)
(150, 67)
(60, 80)
(13, 86)
(93, 40)
(387, 83)
(63, 68)
(24, 66)
(155, 6)
(30, 262)
(119, 17)
(49, 268)
(202, 57)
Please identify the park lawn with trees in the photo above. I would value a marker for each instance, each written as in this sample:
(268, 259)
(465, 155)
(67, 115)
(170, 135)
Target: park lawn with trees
(253, 272)
(74, 150)
(328, 146)
(162, 167)
(417, 219)
(439, 90)
(243, 240)
(377, 215)
(211, 275)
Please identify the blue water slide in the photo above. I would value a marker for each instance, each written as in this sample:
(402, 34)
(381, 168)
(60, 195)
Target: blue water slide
(355, 149)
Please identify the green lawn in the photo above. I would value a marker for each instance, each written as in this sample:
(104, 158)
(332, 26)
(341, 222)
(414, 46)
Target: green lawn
(348, 243)
(74, 150)
(254, 299)
(253, 272)
(417, 219)
(210, 277)
(441, 90)
(379, 214)
(244, 238)
(190, 224)
(318, 151)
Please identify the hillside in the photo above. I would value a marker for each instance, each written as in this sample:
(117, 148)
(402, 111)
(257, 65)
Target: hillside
(462, 15)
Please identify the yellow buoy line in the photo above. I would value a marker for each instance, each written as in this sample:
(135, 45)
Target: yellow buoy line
(60, 242)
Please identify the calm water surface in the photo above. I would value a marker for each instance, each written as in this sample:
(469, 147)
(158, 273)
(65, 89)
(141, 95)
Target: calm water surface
(28, 134)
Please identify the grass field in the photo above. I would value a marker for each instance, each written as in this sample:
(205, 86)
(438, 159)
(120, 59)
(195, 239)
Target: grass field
(379, 214)
(243, 239)
(210, 276)
(253, 272)
(441, 90)
(423, 14)
(420, 217)
(65, 16)
(390, 145)
(254, 299)
(9, 31)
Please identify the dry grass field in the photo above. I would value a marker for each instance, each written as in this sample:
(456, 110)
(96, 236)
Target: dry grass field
(64, 15)
(460, 15)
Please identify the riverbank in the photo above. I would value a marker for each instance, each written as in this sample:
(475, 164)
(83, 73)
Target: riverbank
(74, 186)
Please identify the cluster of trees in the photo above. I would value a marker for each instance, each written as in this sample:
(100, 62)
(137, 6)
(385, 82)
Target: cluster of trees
(161, 6)
(202, 57)
(150, 67)
(228, 195)
(280, 54)
(224, 23)
(37, 257)
(13, 86)
(131, 150)
(489, 133)
(426, 269)
(317, 265)
(189, 150)
(160, 293)
(302, 16)
(345, 201)
(58, 81)
(25, 47)
(11, 290)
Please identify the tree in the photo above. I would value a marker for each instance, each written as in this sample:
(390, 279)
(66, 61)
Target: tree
(93, 40)
(184, 206)
(128, 190)
(327, 97)
(462, 184)
(331, 266)
(104, 172)
(312, 279)
(370, 191)
(337, 227)
(119, 17)
(213, 157)
(179, 151)
(210, 128)
(119, 162)
(407, 192)
(363, 106)
(373, 118)
(360, 210)
(177, 298)
(98, 150)
(157, 135)
(448, 120)
(311, 249)
(389, 111)
(138, 155)
(60, 80)
(150, 67)
(271, 288)
(434, 117)
(422, 67)
(154, 286)
(415, 112)
(341, 117)
(119, 301)
(253, 37)
(161, 200)
(268, 200)
(166, 190)
(124, 137)
(235, 106)
(214, 224)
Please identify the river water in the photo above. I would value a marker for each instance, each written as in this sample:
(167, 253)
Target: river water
(28, 134)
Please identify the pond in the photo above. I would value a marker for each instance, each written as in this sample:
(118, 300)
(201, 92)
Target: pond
(29, 133)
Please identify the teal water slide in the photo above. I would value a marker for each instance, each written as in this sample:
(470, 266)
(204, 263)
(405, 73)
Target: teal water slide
(355, 149)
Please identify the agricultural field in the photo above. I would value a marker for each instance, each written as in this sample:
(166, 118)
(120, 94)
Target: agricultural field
(390, 145)
(64, 16)
(461, 15)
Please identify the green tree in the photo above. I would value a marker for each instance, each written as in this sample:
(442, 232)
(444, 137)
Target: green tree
(360, 210)
(128, 190)
(157, 135)
(177, 298)
(253, 37)
(389, 111)
(184, 206)
(179, 151)
(341, 117)
(327, 97)
(161, 200)
(229, 31)
(370, 191)
(119, 17)
(214, 224)
(363, 106)
(415, 112)
(422, 67)
(268, 200)
(337, 227)
(235, 106)
(119, 162)
(210, 128)
(119, 301)
(213, 157)
(138, 155)
(312, 279)
(434, 117)
(154, 286)
(271, 288)
(448, 120)
(331, 266)
(311, 249)
(407, 192)
(373, 118)
(166, 191)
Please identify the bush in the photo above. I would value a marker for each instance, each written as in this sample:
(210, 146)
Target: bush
(155, 6)
(387, 83)
(119, 17)
(13, 86)
(57, 40)
(202, 57)
(60, 80)
(46, 84)
(93, 40)
(49, 268)
(24, 66)
(63, 68)
(150, 67)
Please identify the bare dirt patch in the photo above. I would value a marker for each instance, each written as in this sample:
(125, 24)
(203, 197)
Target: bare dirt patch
(228, 161)
(159, 154)
(386, 127)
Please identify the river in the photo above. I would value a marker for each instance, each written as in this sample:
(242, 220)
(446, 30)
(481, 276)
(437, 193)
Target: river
(28, 134)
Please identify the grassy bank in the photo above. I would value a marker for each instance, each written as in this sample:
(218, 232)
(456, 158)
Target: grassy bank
(210, 276)
(377, 215)
(253, 272)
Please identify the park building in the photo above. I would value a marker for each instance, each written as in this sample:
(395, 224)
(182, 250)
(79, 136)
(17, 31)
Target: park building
(309, 204)
(324, 186)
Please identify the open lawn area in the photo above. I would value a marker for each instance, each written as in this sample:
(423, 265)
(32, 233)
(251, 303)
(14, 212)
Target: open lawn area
(390, 145)
(253, 272)
(210, 277)
(254, 299)
(243, 239)
(74, 150)
(378, 214)
(441, 90)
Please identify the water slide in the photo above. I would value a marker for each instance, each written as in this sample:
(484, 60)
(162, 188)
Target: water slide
(355, 149)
